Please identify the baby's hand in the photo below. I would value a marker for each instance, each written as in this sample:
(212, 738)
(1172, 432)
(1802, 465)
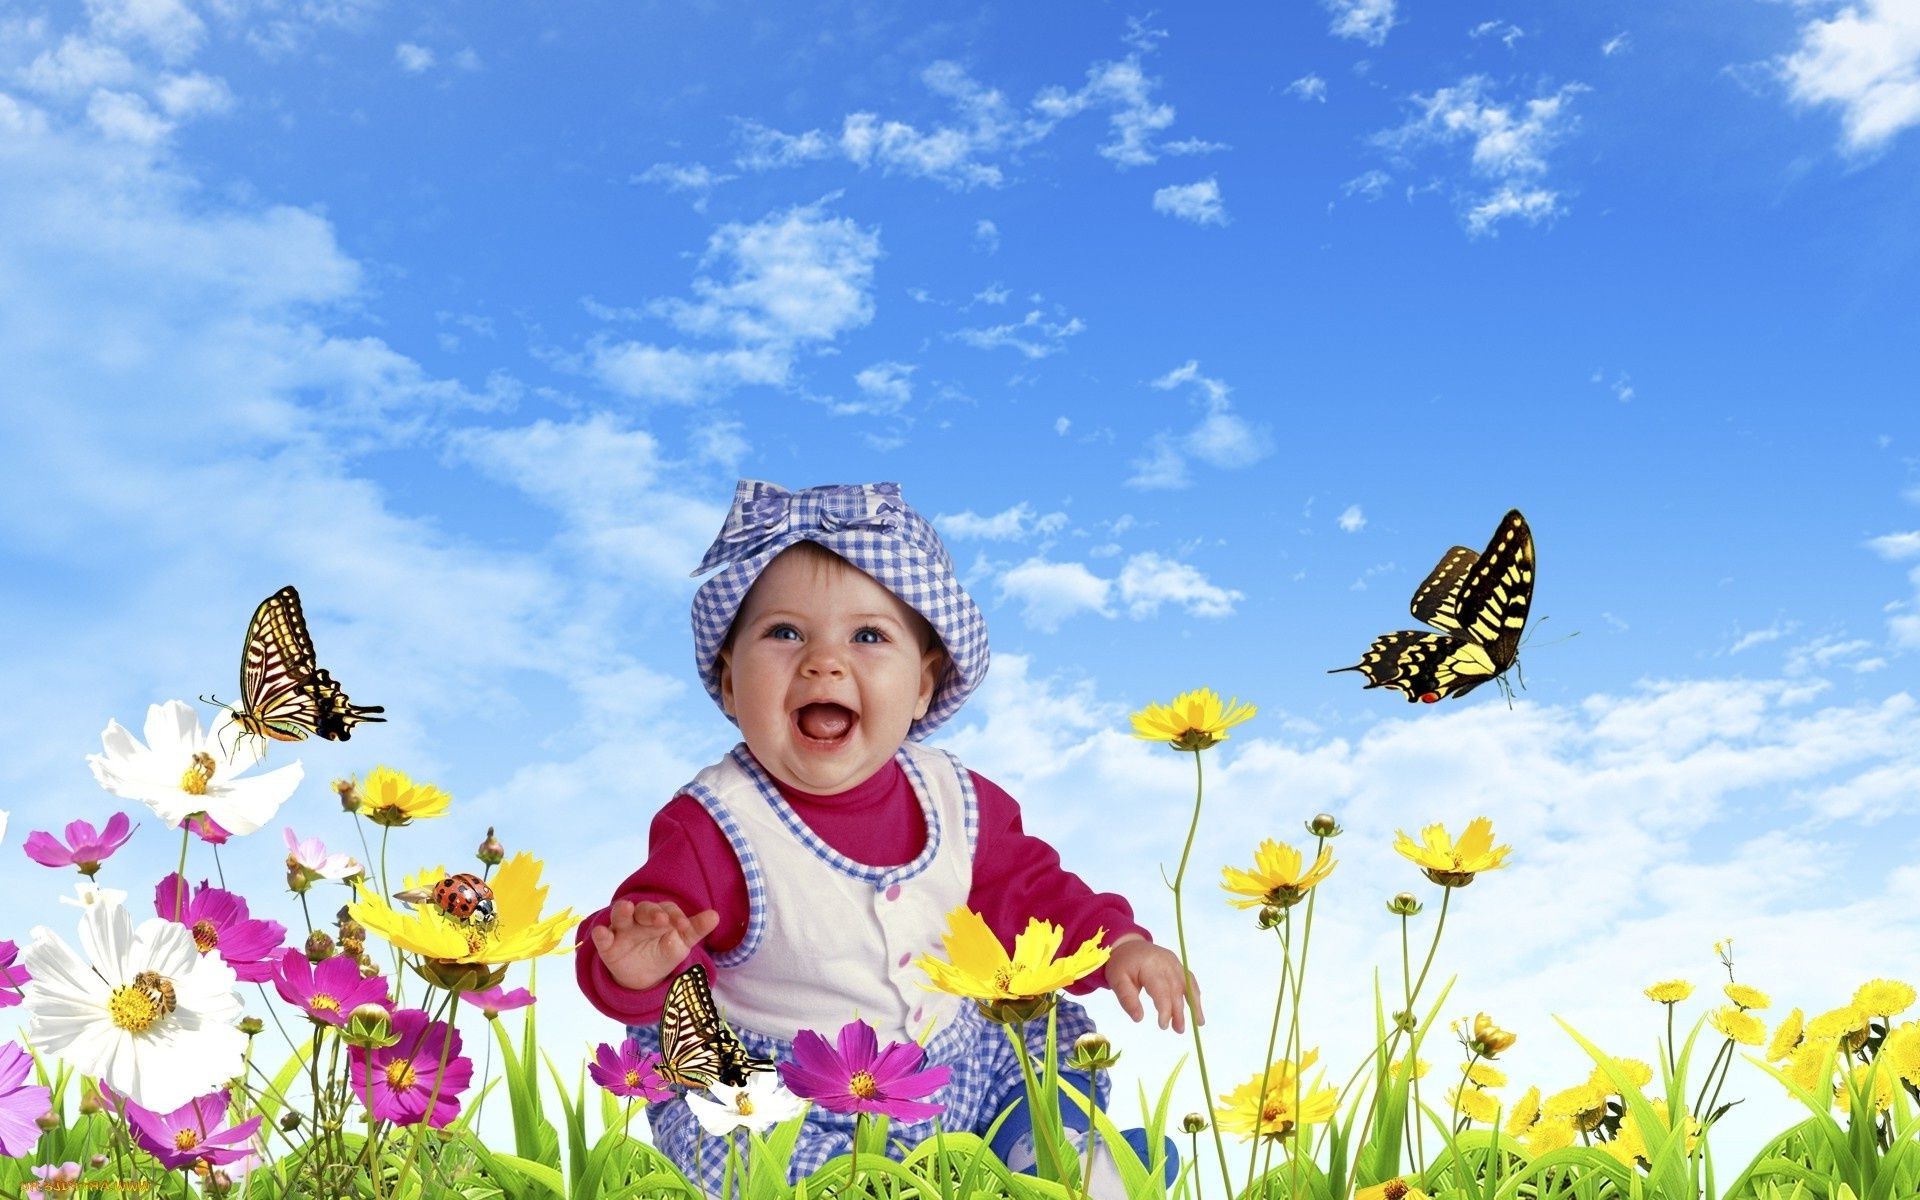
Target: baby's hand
(1137, 963)
(641, 943)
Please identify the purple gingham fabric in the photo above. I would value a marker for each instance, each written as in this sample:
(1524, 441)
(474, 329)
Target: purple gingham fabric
(871, 527)
(986, 1079)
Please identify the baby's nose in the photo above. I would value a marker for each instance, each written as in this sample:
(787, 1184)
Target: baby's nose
(822, 662)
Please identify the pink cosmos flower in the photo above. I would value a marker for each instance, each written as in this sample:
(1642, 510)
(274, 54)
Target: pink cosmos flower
(310, 855)
(189, 1134)
(402, 1075)
(330, 991)
(12, 978)
(497, 999)
(85, 847)
(65, 1173)
(862, 1078)
(219, 921)
(208, 830)
(626, 1072)
(20, 1105)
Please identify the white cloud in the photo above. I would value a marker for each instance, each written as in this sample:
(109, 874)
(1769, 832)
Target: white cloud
(1034, 335)
(1222, 438)
(993, 293)
(1051, 592)
(1353, 520)
(1508, 152)
(1309, 87)
(1125, 91)
(1895, 546)
(1014, 524)
(1198, 202)
(986, 236)
(1362, 20)
(184, 96)
(1760, 637)
(695, 178)
(169, 27)
(77, 66)
(413, 59)
(1506, 31)
(886, 387)
(1866, 61)
(1369, 185)
(126, 117)
(1619, 43)
(768, 291)
(1061, 425)
(1148, 581)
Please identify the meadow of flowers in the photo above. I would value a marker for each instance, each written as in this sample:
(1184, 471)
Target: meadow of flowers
(179, 1040)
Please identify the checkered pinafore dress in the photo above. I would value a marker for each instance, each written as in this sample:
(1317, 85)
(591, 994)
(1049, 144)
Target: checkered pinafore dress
(828, 939)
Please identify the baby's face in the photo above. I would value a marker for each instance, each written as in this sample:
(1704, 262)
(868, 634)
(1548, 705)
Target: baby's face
(825, 674)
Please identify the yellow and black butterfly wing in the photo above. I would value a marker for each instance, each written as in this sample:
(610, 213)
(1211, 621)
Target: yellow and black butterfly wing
(335, 715)
(1438, 599)
(696, 1047)
(1407, 659)
(1499, 591)
(275, 662)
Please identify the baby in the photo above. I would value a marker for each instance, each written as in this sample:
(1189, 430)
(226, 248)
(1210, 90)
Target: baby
(808, 868)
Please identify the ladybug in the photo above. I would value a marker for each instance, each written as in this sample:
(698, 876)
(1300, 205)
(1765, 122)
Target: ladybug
(462, 897)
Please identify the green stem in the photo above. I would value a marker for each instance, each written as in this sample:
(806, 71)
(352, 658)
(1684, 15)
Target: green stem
(1673, 1063)
(1180, 929)
(180, 893)
(1416, 1128)
(1725, 1051)
(439, 1077)
(853, 1162)
(1093, 1091)
(1273, 1037)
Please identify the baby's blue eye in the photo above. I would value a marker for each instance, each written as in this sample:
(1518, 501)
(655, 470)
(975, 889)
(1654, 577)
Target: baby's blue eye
(861, 636)
(778, 630)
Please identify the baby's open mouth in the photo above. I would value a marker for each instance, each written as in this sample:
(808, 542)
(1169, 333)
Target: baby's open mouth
(825, 722)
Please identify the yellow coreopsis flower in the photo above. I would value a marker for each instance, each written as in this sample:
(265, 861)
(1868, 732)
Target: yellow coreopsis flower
(1741, 1026)
(517, 931)
(1786, 1036)
(1583, 1105)
(1419, 1068)
(1195, 720)
(1883, 997)
(389, 797)
(1487, 1039)
(1627, 1146)
(1550, 1133)
(1883, 1086)
(1007, 987)
(1474, 1104)
(1249, 1113)
(1901, 1051)
(1277, 877)
(1848, 1023)
(1747, 997)
(1693, 1123)
(1525, 1113)
(1669, 991)
(1392, 1189)
(1486, 1075)
(1634, 1069)
(1808, 1057)
(1450, 863)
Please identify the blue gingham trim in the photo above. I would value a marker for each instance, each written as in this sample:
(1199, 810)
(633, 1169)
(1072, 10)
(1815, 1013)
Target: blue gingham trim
(985, 1079)
(749, 866)
(871, 527)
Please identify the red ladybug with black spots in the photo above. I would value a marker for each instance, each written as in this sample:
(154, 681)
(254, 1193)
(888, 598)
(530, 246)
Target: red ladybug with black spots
(463, 897)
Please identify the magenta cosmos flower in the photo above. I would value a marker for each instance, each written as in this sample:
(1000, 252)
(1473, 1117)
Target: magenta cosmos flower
(330, 991)
(402, 1075)
(208, 830)
(20, 1104)
(626, 1072)
(860, 1077)
(497, 999)
(219, 921)
(190, 1134)
(85, 847)
(12, 978)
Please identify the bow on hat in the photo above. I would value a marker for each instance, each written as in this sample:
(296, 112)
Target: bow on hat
(764, 513)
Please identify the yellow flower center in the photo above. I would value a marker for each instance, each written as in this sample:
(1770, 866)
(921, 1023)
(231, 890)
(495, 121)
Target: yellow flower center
(742, 1105)
(133, 1009)
(1194, 739)
(1003, 979)
(323, 1001)
(186, 1139)
(206, 935)
(194, 781)
(400, 1075)
(476, 939)
(863, 1086)
(633, 1077)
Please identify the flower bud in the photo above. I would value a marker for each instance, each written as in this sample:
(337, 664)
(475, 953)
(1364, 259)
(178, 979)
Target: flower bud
(1323, 825)
(350, 928)
(459, 976)
(491, 852)
(353, 947)
(298, 880)
(90, 1102)
(251, 1025)
(1193, 1123)
(1405, 1021)
(1268, 916)
(47, 1122)
(290, 1120)
(97, 1161)
(1406, 904)
(370, 1027)
(319, 947)
(1092, 1052)
(219, 1183)
(349, 793)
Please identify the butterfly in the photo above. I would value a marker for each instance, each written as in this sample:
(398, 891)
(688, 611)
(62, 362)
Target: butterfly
(696, 1047)
(1480, 600)
(284, 694)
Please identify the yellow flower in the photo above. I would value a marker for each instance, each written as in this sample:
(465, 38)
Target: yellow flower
(1475, 1104)
(1804, 1067)
(388, 797)
(1628, 1146)
(1747, 997)
(1902, 1051)
(1670, 991)
(1583, 1104)
(1486, 1075)
(1392, 1189)
(1194, 721)
(1883, 1084)
(1693, 1123)
(1247, 1112)
(1419, 1068)
(1276, 878)
(1487, 1039)
(1449, 863)
(1550, 1133)
(517, 932)
(1525, 1113)
(1786, 1036)
(1634, 1069)
(1021, 985)
(1742, 1027)
(1883, 997)
(1848, 1022)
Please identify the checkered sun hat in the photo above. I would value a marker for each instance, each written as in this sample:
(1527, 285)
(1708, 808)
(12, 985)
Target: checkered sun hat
(871, 527)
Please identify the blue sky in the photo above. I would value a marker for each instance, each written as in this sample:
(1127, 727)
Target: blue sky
(1200, 334)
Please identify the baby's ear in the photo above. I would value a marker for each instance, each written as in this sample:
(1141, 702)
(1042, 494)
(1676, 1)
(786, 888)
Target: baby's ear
(725, 659)
(933, 668)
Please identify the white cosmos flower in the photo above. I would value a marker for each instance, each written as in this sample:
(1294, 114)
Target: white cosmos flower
(91, 894)
(759, 1106)
(144, 1010)
(170, 774)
